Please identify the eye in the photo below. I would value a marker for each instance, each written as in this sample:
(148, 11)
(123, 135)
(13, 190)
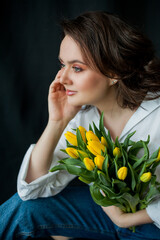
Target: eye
(62, 65)
(77, 69)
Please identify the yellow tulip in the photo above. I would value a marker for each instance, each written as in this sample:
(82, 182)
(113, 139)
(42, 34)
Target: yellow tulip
(117, 152)
(146, 177)
(72, 139)
(95, 147)
(84, 154)
(89, 164)
(99, 161)
(158, 157)
(122, 173)
(83, 133)
(91, 136)
(72, 152)
(103, 141)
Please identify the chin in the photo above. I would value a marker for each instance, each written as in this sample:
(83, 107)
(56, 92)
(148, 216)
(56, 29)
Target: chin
(76, 103)
(79, 100)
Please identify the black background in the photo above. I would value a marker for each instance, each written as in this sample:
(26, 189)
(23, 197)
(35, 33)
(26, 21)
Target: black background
(29, 46)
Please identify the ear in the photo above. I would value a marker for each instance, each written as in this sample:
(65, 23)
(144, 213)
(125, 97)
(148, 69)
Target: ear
(112, 81)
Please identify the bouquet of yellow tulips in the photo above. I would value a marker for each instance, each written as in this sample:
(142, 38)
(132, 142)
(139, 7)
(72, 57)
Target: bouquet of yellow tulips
(115, 173)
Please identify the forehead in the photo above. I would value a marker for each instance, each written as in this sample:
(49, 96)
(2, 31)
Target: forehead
(70, 49)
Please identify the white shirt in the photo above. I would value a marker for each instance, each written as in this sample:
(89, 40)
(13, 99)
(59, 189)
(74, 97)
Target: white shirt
(145, 121)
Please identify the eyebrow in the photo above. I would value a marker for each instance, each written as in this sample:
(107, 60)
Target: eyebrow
(73, 61)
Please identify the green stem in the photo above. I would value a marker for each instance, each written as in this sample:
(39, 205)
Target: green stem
(133, 210)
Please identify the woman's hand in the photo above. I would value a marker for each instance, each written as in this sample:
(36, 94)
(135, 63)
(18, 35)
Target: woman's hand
(59, 108)
(126, 220)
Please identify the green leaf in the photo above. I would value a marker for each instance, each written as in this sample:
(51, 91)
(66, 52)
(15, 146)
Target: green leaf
(89, 175)
(132, 200)
(74, 129)
(103, 179)
(117, 144)
(63, 159)
(153, 180)
(131, 143)
(63, 150)
(155, 154)
(132, 157)
(80, 141)
(109, 136)
(142, 170)
(105, 151)
(58, 167)
(73, 161)
(146, 150)
(139, 161)
(97, 132)
(74, 170)
(154, 166)
(116, 165)
(151, 194)
(133, 182)
(105, 167)
(126, 141)
(124, 156)
(149, 162)
(84, 173)
(143, 189)
(120, 184)
(138, 184)
(110, 191)
(137, 146)
(84, 180)
(90, 128)
(99, 198)
(103, 132)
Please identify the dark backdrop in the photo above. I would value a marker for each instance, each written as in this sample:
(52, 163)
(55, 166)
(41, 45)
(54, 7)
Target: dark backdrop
(29, 44)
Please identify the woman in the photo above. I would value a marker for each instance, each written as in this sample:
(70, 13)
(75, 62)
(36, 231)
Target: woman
(110, 66)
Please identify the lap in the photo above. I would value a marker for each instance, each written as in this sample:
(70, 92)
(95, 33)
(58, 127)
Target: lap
(70, 213)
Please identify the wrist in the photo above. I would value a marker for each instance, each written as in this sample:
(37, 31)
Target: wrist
(58, 125)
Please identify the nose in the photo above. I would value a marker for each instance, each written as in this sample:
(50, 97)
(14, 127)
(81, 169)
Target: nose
(65, 77)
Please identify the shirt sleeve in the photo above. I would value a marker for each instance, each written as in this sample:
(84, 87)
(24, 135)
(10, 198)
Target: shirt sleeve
(49, 184)
(153, 211)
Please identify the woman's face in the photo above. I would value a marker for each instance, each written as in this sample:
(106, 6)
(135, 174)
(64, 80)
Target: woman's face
(84, 85)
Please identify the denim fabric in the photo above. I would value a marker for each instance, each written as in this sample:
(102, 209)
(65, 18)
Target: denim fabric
(71, 213)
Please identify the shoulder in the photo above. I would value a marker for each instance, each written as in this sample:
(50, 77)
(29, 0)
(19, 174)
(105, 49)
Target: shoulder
(151, 106)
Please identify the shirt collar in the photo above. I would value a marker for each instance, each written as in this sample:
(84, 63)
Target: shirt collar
(146, 108)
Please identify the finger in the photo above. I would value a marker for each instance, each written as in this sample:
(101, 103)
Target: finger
(62, 88)
(55, 86)
(59, 73)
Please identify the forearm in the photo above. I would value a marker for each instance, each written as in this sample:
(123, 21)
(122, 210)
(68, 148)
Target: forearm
(134, 219)
(126, 220)
(41, 156)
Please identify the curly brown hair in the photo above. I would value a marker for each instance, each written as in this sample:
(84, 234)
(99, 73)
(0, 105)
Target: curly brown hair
(115, 48)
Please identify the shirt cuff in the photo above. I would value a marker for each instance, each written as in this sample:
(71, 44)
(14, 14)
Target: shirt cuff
(153, 211)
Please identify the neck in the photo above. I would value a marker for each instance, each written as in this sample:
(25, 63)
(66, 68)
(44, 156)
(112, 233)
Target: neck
(115, 117)
(109, 105)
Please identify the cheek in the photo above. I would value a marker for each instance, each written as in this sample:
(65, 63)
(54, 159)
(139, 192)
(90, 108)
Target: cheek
(91, 84)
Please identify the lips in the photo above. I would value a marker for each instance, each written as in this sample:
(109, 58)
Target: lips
(70, 92)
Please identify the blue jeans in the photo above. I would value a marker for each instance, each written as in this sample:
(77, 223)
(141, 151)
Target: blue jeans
(71, 213)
